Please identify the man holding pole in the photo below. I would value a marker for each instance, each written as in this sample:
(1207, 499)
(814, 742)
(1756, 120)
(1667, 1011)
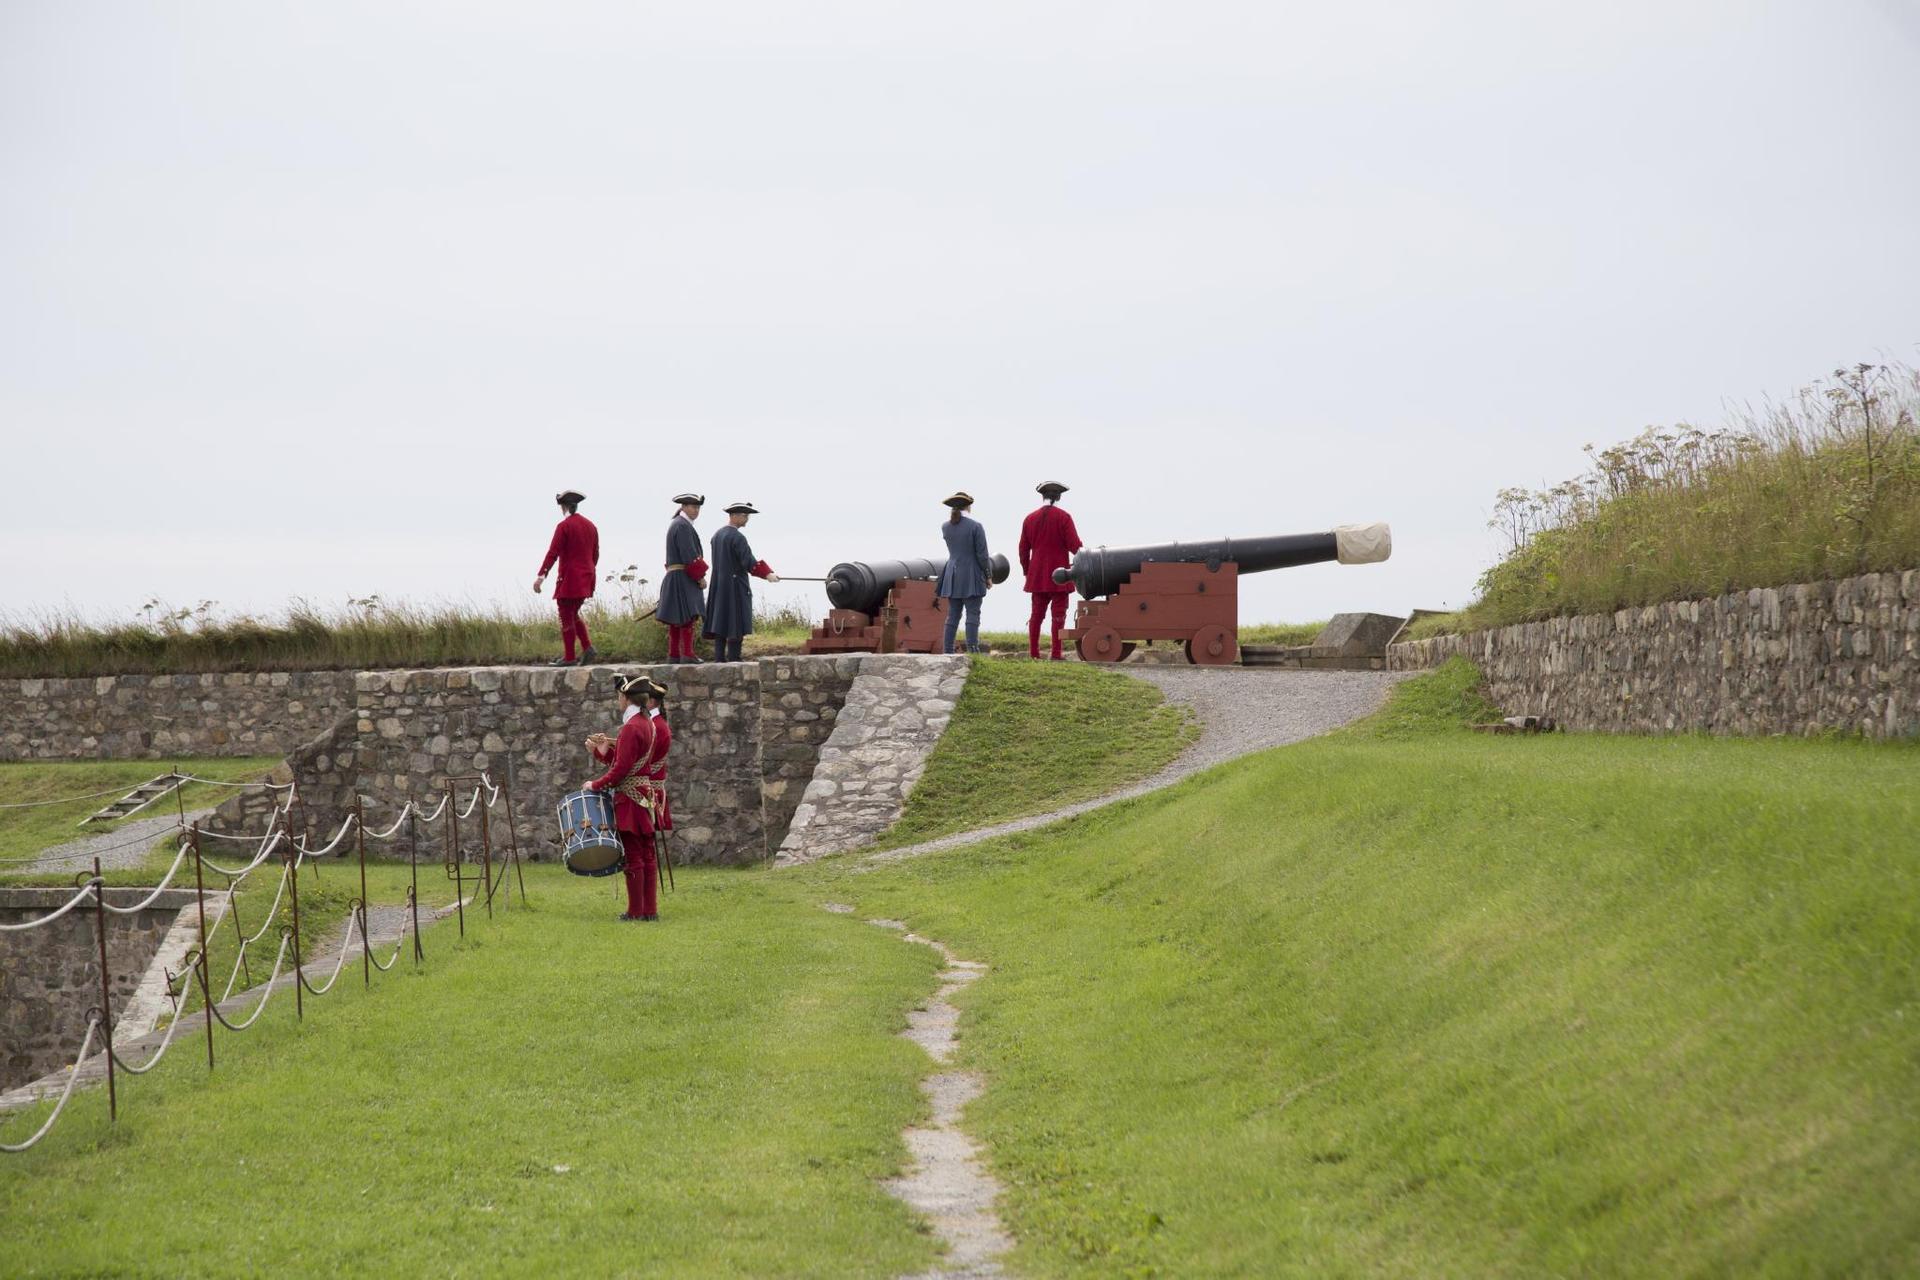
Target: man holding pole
(730, 594)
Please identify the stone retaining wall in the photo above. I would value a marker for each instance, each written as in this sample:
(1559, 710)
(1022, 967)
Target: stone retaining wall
(160, 717)
(1841, 655)
(50, 976)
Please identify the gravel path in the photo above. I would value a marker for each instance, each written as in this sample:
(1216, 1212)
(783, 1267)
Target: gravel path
(1241, 710)
(124, 846)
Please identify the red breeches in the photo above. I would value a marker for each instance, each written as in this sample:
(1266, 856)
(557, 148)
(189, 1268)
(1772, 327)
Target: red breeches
(1042, 601)
(680, 640)
(571, 627)
(643, 874)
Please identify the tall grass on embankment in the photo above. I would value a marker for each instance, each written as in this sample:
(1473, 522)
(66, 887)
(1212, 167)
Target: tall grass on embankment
(1413, 1001)
(1825, 485)
(368, 634)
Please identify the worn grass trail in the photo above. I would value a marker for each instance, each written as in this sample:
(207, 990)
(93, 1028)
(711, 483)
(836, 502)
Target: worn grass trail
(725, 1092)
(1404, 1002)
(25, 832)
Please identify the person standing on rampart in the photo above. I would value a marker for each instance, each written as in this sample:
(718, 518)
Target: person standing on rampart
(576, 549)
(968, 572)
(1047, 542)
(680, 602)
(730, 593)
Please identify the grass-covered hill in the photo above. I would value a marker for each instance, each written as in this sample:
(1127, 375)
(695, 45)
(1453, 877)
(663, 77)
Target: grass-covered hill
(1824, 485)
(1404, 1001)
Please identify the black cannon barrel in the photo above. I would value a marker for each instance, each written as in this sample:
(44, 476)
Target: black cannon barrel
(1100, 571)
(862, 585)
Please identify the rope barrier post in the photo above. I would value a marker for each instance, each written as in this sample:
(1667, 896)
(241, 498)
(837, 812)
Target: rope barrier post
(513, 844)
(293, 890)
(360, 838)
(179, 801)
(306, 828)
(453, 847)
(413, 867)
(106, 989)
(200, 900)
(486, 851)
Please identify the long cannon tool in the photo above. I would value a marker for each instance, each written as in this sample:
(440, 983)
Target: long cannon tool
(887, 606)
(1189, 591)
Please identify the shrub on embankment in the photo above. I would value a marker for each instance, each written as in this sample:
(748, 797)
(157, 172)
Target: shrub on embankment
(1825, 485)
(366, 635)
(1413, 1001)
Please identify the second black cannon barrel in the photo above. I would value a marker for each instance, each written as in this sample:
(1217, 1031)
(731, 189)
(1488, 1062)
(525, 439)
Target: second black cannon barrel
(1099, 571)
(862, 585)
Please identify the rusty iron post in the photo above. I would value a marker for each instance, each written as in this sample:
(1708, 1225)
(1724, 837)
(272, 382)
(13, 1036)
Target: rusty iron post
(106, 989)
(360, 838)
(486, 852)
(513, 844)
(293, 894)
(413, 869)
(453, 847)
(200, 900)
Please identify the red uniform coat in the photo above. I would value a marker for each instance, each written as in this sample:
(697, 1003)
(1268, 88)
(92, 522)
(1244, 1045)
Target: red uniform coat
(630, 752)
(657, 772)
(576, 545)
(1047, 542)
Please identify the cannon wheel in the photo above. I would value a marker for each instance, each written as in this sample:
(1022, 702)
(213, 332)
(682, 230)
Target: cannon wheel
(1212, 646)
(1100, 643)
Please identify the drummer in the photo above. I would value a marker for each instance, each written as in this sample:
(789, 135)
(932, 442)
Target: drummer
(626, 757)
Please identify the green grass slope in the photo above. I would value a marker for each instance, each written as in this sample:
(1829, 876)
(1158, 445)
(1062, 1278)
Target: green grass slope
(1411, 1002)
(563, 1094)
(1031, 737)
(25, 832)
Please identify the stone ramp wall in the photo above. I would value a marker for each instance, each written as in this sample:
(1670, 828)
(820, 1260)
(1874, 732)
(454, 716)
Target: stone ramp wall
(265, 713)
(896, 710)
(50, 976)
(1841, 655)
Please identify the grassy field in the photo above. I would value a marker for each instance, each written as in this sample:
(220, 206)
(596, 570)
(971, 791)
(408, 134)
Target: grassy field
(1824, 485)
(25, 832)
(1029, 738)
(562, 1093)
(1410, 1001)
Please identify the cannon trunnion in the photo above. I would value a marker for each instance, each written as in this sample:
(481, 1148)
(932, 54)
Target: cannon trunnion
(1189, 591)
(887, 606)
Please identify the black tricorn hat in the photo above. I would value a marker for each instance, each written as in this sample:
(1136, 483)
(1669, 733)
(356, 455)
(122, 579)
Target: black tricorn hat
(655, 688)
(1050, 488)
(569, 495)
(632, 686)
(736, 508)
(960, 500)
(690, 500)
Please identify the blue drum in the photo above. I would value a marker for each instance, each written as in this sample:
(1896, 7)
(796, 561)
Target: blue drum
(586, 824)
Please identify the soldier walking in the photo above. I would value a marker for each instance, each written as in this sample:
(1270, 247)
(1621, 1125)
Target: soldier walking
(680, 602)
(964, 581)
(730, 593)
(576, 548)
(1047, 542)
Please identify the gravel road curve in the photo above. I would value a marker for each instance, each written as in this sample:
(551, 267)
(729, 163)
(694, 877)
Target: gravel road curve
(1241, 710)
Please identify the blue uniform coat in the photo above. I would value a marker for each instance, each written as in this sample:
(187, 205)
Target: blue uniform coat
(680, 601)
(967, 565)
(730, 585)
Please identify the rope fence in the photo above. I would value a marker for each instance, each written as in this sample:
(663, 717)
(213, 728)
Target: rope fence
(294, 852)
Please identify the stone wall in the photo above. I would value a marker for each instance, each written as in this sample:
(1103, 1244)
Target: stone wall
(50, 976)
(160, 717)
(746, 739)
(1841, 655)
(895, 713)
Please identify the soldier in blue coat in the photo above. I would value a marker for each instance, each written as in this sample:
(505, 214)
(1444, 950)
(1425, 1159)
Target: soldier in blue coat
(963, 583)
(680, 602)
(730, 593)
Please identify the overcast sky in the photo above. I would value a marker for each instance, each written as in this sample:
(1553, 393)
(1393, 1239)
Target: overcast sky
(327, 299)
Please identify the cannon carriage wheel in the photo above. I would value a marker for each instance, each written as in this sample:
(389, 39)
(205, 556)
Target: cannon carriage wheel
(1213, 646)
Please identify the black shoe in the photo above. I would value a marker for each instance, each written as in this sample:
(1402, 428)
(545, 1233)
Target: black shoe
(625, 916)
(649, 919)
(590, 656)
(563, 662)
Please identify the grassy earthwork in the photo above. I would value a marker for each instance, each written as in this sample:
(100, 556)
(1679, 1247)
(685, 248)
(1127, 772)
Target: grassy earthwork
(1032, 737)
(25, 832)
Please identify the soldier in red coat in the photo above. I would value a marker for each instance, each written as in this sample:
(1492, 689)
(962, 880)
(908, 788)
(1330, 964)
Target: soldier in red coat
(657, 768)
(626, 757)
(1047, 542)
(576, 548)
